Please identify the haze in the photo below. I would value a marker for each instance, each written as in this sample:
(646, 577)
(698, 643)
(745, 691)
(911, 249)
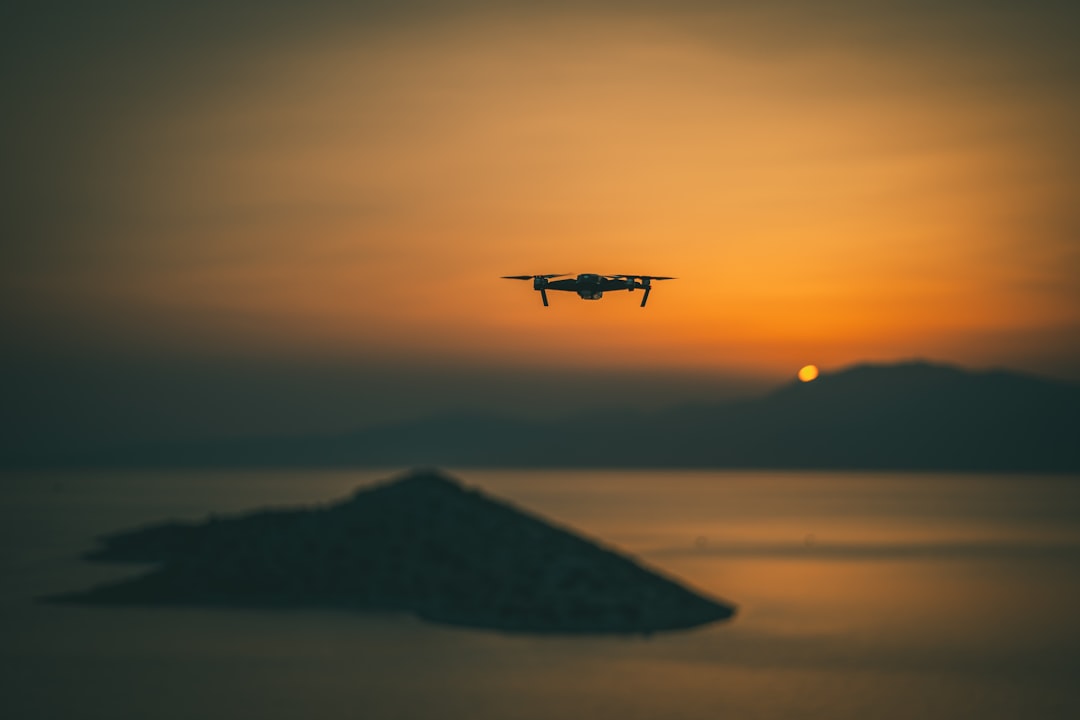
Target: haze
(237, 217)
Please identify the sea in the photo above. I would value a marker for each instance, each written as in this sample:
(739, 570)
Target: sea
(859, 595)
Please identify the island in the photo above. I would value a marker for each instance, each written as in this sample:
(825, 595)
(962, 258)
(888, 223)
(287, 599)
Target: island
(421, 543)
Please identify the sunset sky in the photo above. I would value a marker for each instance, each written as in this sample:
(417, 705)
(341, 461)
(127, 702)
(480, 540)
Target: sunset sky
(317, 203)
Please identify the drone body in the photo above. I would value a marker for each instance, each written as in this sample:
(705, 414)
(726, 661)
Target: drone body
(590, 286)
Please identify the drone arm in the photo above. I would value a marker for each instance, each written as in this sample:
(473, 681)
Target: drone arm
(645, 297)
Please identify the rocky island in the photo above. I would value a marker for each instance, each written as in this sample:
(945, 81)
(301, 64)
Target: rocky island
(422, 543)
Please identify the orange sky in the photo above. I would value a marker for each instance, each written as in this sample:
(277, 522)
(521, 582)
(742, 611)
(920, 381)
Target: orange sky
(827, 191)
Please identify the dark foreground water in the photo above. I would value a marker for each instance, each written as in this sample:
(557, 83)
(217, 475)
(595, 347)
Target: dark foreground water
(860, 595)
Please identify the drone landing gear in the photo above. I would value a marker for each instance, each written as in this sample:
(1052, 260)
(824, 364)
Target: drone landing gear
(543, 296)
(645, 297)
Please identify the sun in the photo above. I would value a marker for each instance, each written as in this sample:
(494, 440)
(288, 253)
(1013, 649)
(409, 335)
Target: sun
(808, 373)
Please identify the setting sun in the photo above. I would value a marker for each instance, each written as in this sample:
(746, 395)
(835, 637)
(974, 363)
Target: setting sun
(808, 373)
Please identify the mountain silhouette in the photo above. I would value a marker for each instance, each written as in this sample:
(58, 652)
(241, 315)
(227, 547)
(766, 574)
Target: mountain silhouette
(422, 543)
(907, 416)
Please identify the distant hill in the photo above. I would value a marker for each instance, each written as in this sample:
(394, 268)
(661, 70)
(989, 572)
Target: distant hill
(908, 416)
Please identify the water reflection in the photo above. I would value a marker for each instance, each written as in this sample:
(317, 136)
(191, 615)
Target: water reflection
(886, 596)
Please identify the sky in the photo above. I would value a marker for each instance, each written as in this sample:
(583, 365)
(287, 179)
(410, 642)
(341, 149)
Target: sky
(236, 216)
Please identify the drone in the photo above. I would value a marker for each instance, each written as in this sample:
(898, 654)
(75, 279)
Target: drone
(590, 286)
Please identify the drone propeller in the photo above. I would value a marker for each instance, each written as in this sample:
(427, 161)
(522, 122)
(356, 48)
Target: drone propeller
(644, 277)
(539, 282)
(532, 277)
(646, 283)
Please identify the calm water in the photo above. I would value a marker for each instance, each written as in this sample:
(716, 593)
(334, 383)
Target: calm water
(860, 595)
